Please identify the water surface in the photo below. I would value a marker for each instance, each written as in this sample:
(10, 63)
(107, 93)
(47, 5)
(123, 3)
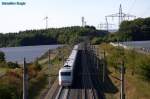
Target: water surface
(17, 54)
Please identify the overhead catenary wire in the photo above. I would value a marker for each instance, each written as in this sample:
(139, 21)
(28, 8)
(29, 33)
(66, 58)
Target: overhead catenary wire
(121, 16)
(132, 6)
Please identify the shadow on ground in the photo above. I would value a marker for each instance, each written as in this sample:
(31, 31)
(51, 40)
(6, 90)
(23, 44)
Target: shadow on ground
(101, 87)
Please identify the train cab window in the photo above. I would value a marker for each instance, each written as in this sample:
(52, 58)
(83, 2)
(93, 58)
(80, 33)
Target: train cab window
(65, 73)
(66, 66)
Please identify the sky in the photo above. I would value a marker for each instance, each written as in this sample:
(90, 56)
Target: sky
(62, 13)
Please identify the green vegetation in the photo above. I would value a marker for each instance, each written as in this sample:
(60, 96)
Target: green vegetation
(11, 85)
(2, 57)
(56, 61)
(11, 75)
(11, 79)
(137, 71)
(57, 57)
(135, 62)
(138, 29)
(135, 30)
(13, 65)
(66, 35)
(11, 82)
(4, 64)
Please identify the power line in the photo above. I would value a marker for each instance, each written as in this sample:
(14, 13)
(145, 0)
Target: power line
(132, 6)
(103, 26)
(146, 10)
(121, 16)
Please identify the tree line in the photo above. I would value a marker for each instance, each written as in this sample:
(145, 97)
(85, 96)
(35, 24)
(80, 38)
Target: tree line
(65, 35)
(133, 30)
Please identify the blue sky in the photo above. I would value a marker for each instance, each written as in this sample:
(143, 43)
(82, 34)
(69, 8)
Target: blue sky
(14, 18)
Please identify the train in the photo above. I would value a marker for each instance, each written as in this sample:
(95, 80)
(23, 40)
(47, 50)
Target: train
(66, 73)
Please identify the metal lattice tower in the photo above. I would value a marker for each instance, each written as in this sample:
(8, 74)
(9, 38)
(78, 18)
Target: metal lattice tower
(83, 21)
(121, 16)
(46, 19)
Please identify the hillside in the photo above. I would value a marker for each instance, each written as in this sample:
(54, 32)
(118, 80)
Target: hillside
(66, 35)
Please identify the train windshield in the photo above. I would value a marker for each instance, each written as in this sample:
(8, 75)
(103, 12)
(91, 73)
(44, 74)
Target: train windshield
(67, 66)
(65, 73)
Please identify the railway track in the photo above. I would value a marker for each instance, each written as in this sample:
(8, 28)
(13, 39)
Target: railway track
(62, 93)
(83, 87)
(90, 92)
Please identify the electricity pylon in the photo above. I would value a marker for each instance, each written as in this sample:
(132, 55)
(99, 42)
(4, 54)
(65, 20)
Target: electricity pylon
(46, 21)
(121, 16)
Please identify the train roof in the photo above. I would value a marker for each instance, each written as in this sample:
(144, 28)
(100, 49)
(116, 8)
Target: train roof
(66, 69)
(71, 59)
(69, 63)
(76, 47)
(73, 54)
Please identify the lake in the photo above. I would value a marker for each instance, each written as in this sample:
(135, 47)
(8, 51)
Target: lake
(17, 54)
(141, 46)
(137, 44)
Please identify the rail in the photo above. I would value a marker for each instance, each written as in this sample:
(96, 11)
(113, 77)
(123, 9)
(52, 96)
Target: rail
(62, 93)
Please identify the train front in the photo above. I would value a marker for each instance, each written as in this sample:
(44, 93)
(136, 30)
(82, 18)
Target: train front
(65, 76)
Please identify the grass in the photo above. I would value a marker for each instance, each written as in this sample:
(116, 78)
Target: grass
(140, 87)
(37, 77)
(135, 86)
(3, 70)
(56, 64)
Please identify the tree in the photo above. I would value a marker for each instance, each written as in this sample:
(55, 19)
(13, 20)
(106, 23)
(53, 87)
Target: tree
(65, 35)
(137, 29)
(2, 56)
(12, 65)
(145, 69)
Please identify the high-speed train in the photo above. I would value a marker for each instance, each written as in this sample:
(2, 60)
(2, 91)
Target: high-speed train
(66, 73)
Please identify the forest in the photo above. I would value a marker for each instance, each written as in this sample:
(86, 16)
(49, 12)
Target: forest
(65, 35)
(133, 30)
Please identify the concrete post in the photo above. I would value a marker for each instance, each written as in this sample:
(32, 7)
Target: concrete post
(25, 80)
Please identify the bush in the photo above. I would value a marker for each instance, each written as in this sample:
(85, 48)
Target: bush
(5, 92)
(145, 69)
(135, 62)
(37, 66)
(97, 40)
(12, 65)
(2, 56)
(11, 86)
